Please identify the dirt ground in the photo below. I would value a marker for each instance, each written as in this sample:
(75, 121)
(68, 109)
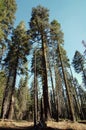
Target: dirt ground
(66, 125)
(51, 125)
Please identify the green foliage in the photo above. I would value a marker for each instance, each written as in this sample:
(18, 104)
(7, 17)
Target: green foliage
(79, 65)
(7, 16)
(23, 97)
(14, 62)
(78, 62)
(56, 32)
(57, 43)
(22, 94)
(39, 22)
(2, 86)
(63, 54)
(39, 67)
(18, 48)
(7, 11)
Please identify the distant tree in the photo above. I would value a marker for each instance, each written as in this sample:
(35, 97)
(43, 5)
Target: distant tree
(79, 64)
(39, 68)
(16, 58)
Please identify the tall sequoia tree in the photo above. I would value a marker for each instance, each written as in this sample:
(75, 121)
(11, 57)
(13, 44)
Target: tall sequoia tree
(16, 57)
(39, 27)
(37, 69)
(57, 37)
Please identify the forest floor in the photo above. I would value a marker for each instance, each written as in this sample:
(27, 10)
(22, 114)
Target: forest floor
(51, 125)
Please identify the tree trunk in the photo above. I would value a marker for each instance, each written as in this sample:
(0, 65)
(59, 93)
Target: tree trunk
(41, 110)
(75, 95)
(9, 92)
(11, 109)
(72, 116)
(6, 97)
(11, 104)
(35, 93)
(56, 87)
(45, 82)
(52, 83)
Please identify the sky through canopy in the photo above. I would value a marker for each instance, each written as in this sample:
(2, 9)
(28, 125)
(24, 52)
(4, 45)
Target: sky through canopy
(71, 14)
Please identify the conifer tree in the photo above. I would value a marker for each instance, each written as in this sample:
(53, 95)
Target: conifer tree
(57, 36)
(79, 64)
(16, 57)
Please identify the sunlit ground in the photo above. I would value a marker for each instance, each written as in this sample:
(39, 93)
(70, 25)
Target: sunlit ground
(25, 125)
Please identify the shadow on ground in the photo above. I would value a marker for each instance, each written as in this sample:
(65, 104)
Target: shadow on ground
(32, 128)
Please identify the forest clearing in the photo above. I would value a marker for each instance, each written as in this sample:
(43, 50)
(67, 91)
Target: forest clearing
(51, 125)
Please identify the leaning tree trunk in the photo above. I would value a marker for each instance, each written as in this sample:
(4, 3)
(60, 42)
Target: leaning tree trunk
(6, 97)
(57, 83)
(71, 108)
(45, 82)
(84, 75)
(11, 109)
(75, 95)
(7, 104)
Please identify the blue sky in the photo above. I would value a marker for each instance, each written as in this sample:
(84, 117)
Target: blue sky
(71, 14)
